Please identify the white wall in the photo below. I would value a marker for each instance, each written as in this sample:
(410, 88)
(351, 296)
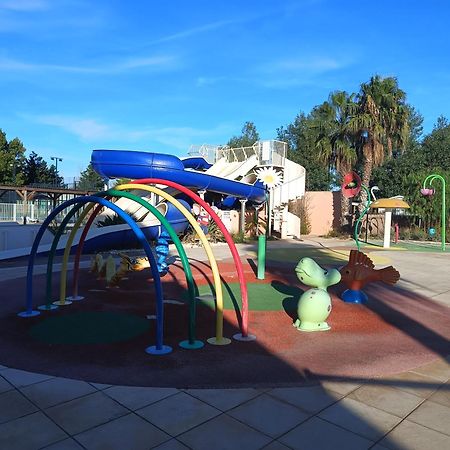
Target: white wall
(13, 235)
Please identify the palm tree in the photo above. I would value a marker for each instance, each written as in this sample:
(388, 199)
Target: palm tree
(381, 121)
(334, 139)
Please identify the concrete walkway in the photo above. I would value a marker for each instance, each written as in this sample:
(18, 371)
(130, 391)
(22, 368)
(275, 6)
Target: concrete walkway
(407, 411)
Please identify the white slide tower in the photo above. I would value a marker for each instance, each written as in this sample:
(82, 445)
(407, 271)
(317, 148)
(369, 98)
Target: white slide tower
(262, 154)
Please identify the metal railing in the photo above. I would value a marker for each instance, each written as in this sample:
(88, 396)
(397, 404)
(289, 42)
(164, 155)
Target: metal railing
(269, 153)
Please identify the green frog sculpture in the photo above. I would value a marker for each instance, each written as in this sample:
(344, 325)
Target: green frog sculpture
(314, 305)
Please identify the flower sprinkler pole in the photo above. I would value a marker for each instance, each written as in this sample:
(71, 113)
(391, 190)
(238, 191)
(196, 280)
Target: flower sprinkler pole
(270, 178)
(425, 191)
(358, 222)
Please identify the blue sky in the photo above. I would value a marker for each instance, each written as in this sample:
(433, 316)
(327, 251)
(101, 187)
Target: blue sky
(159, 76)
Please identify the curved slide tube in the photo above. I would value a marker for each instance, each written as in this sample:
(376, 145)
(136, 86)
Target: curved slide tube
(137, 165)
(245, 336)
(219, 339)
(159, 348)
(191, 343)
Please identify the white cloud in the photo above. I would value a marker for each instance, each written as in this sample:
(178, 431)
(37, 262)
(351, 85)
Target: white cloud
(150, 62)
(94, 131)
(85, 129)
(195, 30)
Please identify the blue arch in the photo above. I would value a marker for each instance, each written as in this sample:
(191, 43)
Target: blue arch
(139, 234)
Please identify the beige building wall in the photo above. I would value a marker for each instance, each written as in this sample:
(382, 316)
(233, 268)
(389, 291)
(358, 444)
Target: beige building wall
(323, 211)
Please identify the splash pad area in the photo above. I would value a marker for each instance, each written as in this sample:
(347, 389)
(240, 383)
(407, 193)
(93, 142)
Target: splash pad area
(104, 337)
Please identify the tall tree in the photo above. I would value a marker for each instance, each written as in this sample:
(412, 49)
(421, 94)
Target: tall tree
(90, 179)
(12, 158)
(300, 138)
(249, 135)
(381, 122)
(335, 139)
(17, 151)
(38, 172)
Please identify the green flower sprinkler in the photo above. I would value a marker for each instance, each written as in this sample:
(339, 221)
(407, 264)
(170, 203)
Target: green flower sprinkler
(314, 305)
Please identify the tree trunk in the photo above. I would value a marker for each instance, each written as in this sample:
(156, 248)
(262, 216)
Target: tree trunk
(367, 172)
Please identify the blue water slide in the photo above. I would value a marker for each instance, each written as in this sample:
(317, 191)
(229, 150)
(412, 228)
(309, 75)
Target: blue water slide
(196, 162)
(138, 164)
(121, 236)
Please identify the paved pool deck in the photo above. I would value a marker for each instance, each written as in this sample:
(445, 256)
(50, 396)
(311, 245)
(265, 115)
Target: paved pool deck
(410, 410)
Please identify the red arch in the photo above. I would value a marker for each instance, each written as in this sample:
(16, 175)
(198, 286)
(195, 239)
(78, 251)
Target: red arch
(228, 238)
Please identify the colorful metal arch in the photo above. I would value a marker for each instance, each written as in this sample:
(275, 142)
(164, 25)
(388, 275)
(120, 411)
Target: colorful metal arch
(159, 348)
(191, 343)
(244, 335)
(218, 339)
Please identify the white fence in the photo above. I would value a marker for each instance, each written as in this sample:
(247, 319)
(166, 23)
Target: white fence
(35, 212)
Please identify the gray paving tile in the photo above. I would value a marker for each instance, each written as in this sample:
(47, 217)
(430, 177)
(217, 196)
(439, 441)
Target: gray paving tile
(341, 387)
(14, 405)
(320, 434)
(412, 436)
(21, 378)
(439, 369)
(391, 400)
(224, 399)
(224, 433)
(442, 395)
(269, 415)
(178, 413)
(414, 383)
(173, 444)
(359, 418)
(56, 390)
(276, 445)
(138, 397)
(432, 415)
(29, 433)
(5, 386)
(100, 386)
(66, 444)
(129, 432)
(311, 399)
(86, 412)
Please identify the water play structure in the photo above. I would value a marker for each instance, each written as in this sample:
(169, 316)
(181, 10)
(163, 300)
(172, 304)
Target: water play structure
(314, 305)
(429, 191)
(359, 272)
(156, 176)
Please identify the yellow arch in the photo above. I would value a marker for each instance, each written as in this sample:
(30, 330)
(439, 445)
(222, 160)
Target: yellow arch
(62, 287)
(219, 339)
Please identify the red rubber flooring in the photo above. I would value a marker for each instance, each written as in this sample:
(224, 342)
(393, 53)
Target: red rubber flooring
(396, 331)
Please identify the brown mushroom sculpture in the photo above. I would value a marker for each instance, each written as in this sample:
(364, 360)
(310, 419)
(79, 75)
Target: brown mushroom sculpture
(388, 204)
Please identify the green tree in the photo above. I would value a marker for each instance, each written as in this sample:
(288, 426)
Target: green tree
(334, 138)
(249, 135)
(436, 146)
(38, 172)
(90, 179)
(300, 138)
(12, 158)
(17, 151)
(381, 122)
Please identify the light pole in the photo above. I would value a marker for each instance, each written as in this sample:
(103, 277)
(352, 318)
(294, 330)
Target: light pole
(56, 159)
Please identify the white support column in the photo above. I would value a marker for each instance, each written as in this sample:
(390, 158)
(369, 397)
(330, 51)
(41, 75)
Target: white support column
(242, 225)
(387, 228)
(269, 213)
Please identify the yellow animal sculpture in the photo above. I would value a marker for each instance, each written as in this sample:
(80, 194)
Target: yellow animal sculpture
(127, 264)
